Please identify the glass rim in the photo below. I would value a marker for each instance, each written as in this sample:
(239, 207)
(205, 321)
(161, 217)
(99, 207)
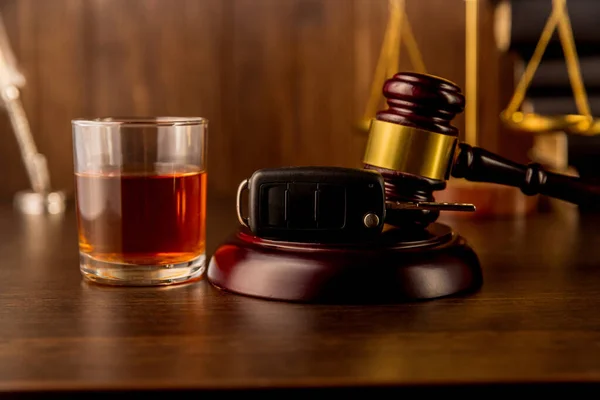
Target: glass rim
(140, 121)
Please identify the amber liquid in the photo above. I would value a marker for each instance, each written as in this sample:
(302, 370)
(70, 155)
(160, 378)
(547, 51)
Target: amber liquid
(142, 218)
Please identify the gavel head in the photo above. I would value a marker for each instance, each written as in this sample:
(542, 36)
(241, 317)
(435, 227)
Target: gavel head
(412, 143)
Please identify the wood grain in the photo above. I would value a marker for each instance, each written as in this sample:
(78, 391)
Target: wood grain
(534, 321)
(283, 82)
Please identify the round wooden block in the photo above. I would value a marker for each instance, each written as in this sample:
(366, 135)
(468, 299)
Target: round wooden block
(435, 263)
(491, 200)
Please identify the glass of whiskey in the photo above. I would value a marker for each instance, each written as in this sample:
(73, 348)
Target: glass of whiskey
(140, 188)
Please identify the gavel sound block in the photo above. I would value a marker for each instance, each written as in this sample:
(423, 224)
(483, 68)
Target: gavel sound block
(413, 145)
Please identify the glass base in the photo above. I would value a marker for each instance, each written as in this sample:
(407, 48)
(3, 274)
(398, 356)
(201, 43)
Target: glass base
(109, 273)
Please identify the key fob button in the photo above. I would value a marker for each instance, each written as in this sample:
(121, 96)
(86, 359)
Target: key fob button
(331, 207)
(301, 205)
(272, 212)
(371, 220)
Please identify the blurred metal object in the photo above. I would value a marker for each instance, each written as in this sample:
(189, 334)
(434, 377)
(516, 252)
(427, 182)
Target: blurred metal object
(40, 199)
(471, 73)
(40, 203)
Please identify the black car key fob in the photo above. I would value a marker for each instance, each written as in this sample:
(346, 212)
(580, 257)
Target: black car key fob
(314, 204)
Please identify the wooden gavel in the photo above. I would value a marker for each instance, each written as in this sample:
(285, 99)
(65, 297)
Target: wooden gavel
(416, 149)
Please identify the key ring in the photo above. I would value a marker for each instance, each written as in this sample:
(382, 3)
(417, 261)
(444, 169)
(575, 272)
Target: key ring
(243, 186)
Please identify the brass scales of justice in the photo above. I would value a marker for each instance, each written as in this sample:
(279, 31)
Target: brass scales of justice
(582, 123)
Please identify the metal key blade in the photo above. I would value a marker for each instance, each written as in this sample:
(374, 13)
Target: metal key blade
(429, 205)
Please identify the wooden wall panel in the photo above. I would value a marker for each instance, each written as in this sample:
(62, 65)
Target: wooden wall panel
(157, 57)
(60, 91)
(323, 85)
(260, 75)
(291, 85)
(283, 82)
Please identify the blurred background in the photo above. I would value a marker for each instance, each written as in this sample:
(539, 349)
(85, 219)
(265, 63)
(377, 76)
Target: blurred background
(283, 82)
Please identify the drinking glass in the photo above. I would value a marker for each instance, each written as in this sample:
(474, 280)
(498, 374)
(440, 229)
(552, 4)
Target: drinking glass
(141, 199)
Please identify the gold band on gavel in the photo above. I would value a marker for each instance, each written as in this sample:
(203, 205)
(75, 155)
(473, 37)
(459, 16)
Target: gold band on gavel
(410, 150)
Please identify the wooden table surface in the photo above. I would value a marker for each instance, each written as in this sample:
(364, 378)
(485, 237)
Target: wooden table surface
(535, 320)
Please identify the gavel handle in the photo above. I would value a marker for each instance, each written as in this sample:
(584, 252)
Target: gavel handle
(479, 165)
